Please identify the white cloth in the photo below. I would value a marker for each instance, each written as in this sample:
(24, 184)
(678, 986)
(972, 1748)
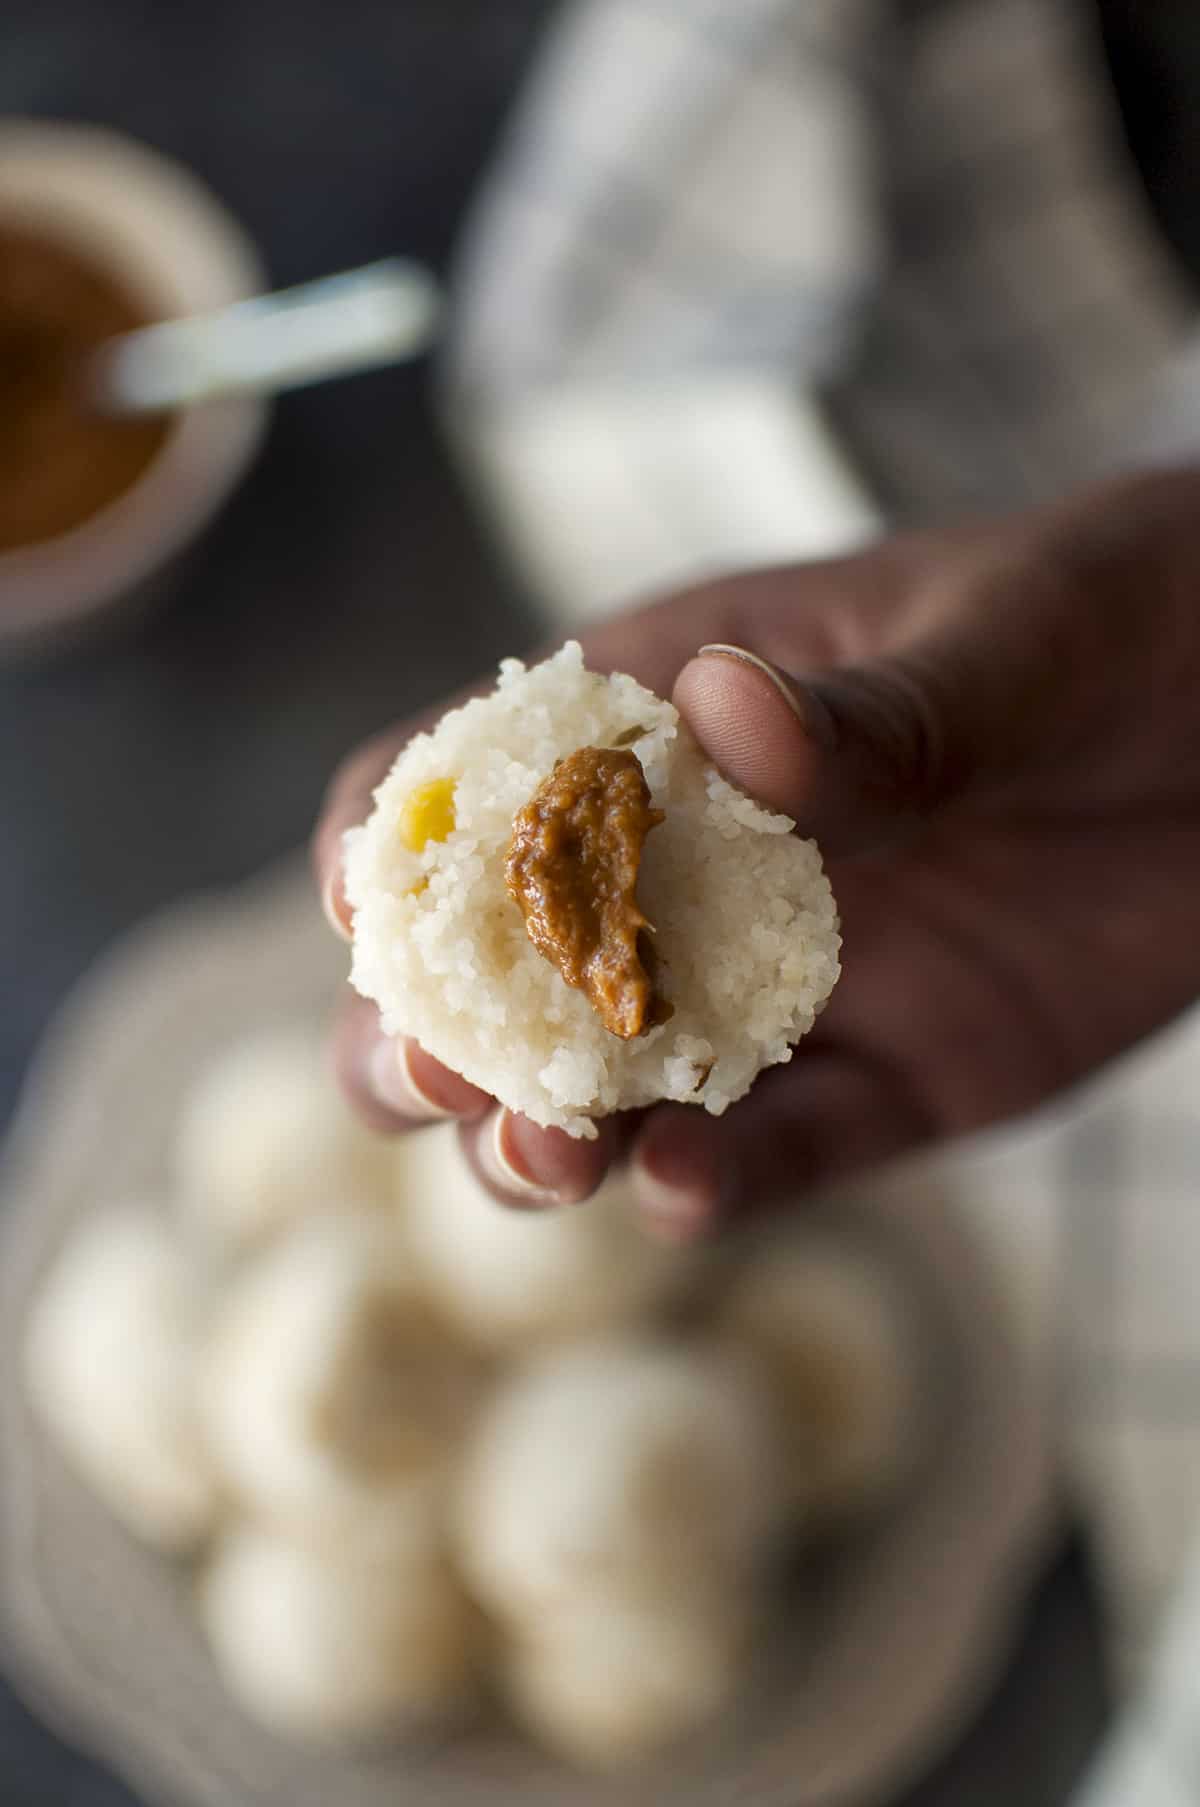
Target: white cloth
(682, 226)
(712, 206)
(1093, 1216)
(1154, 1758)
(719, 224)
(688, 184)
(1030, 303)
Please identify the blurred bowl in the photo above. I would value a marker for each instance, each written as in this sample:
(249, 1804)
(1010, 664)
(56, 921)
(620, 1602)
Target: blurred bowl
(159, 232)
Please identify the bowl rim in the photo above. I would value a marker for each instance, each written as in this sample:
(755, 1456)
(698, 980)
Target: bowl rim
(156, 225)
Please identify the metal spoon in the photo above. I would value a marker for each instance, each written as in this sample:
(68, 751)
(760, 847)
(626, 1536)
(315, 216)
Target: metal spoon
(380, 314)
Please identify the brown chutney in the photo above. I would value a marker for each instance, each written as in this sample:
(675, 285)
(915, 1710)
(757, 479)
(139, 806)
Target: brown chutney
(572, 868)
(60, 462)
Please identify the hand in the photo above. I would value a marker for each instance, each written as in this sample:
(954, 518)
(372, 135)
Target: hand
(994, 735)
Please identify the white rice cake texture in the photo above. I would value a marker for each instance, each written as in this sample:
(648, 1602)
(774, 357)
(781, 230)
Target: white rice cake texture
(746, 924)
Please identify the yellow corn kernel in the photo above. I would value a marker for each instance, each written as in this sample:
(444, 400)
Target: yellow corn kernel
(428, 814)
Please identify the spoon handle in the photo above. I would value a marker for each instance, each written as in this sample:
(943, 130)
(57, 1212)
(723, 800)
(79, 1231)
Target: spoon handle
(380, 314)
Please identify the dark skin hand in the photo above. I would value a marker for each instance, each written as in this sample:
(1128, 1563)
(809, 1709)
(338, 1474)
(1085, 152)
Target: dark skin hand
(994, 734)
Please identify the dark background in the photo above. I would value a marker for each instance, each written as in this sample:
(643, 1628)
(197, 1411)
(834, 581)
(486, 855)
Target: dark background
(348, 581)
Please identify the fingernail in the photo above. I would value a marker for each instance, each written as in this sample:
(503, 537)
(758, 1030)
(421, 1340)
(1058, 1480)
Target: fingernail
(496, 1155)
(390, 1075)
(803, 702)
(329, 906)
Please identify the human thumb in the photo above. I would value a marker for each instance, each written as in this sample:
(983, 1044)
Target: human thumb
(856, 754)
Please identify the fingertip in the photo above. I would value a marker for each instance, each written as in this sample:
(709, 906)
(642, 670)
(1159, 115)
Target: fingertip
(440, 1091)
(763, 732)
(346, 803)
(486, 1150)
(574, 1166)
(669, 1215)
(356, 1036)
(525, 1165)
(336, 909)
(392, 1082)
(683, 1184)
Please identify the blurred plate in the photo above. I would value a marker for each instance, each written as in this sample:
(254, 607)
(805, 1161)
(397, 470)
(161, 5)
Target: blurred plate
(891, 1643)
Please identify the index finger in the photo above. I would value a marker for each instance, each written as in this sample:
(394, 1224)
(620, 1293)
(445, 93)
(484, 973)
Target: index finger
(347, 802)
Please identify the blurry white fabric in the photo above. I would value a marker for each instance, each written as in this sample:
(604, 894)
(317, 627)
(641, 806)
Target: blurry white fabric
(1092, 1213)
(1093, 1217)
(687, 184)
(726, 242)
(607, 493)
(919, 224)
(677, 240)
(1153, 1760)
(1030, 302)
